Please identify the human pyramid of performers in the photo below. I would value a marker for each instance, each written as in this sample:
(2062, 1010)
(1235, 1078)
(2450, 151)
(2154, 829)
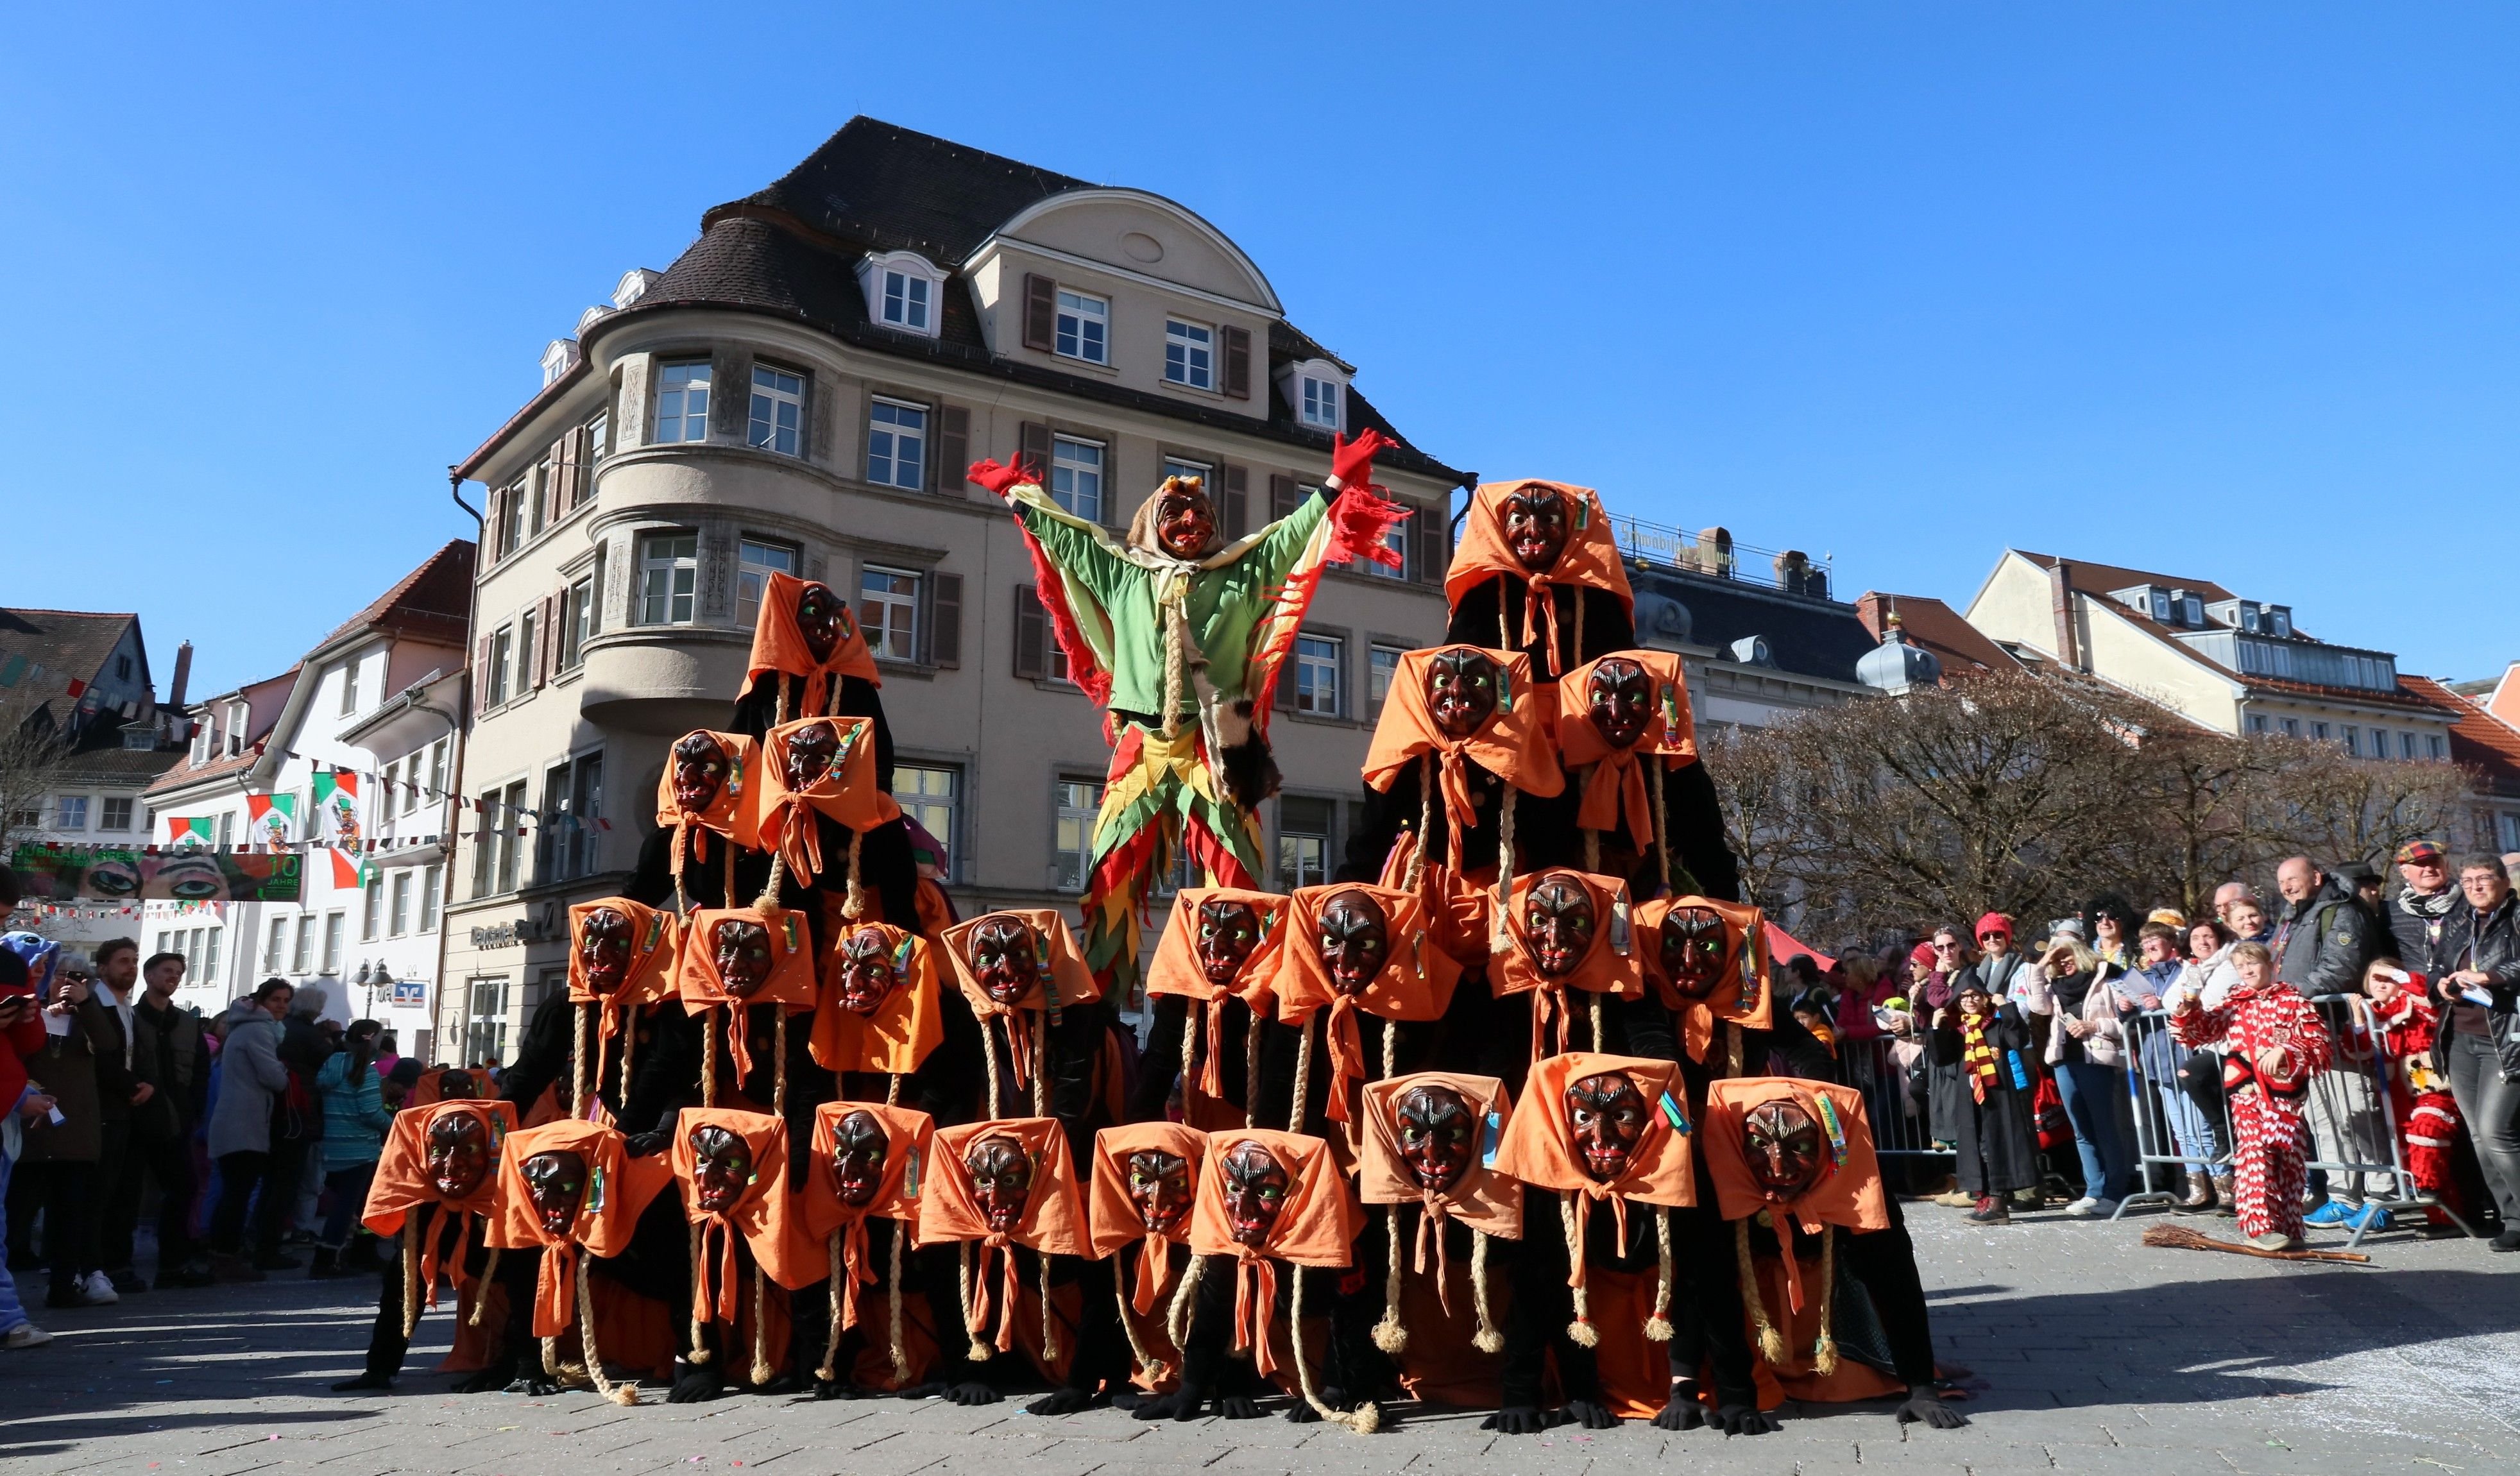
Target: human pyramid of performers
(1503, 1118)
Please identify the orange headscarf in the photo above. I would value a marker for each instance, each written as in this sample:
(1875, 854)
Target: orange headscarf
(1848, 1188)
(1175, 969)
(431, 1088)
(1485, 1200)
(1741, 993)
(791, 970)
(1415, 982)
(1316, 1225)
(910, 1150)
(1053, 1219)
(1617, 781)
(618, 1191)
(402, 1181)
(730, 814)
(656, 949)
(764, 1215)
(897, 1036)
(1540, 1148)
(1513, 743)
(1609, 967)
(1060, 963)
(779, 646)
(1591, 556)
(1114, 1215)
(847, 793)
(1457, 910)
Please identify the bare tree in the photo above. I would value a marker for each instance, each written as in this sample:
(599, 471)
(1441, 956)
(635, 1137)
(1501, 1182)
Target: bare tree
(2340, 810)
(1755, 781)
(33, 762)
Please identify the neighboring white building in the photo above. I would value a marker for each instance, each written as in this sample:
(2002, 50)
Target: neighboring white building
(802, 391)
(376, 699)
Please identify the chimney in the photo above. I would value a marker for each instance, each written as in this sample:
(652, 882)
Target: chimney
(2060, 593)
(183, 674)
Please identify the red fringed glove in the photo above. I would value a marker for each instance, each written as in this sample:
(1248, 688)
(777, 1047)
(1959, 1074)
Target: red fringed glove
(999, 479)
(1352, 461)
(1359, 522)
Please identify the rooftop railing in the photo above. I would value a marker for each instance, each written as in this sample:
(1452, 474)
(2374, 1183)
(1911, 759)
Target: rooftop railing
(1713, 551)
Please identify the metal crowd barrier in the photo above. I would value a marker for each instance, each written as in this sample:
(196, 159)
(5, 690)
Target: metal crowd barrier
(1901, 1124)
(2352, 1119)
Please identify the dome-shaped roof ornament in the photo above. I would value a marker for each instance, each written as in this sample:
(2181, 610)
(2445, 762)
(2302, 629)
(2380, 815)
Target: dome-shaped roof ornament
(1897, 663)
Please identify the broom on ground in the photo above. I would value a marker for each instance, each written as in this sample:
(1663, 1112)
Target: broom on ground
(2180, 1237)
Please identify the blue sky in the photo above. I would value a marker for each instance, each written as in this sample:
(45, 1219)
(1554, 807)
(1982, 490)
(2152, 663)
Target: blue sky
(2224, 290)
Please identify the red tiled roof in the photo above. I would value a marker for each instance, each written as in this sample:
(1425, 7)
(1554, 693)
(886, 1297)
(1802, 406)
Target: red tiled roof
(2101, 578)
(433, 601)
(2478, 739)
(1938, 627)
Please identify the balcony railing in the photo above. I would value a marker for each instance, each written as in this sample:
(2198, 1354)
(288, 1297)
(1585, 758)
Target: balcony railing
(1716, 554)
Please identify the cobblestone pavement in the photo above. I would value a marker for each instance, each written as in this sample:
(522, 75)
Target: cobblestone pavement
(2093, 1354)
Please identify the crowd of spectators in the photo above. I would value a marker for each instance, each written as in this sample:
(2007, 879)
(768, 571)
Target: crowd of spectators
(2043, 1060)
(254, 1131)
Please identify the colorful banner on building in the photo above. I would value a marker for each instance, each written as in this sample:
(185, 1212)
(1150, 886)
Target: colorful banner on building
(271, 820)
(336, 808)
(104, 873)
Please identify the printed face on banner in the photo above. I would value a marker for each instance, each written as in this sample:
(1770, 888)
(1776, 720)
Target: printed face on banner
(1437, 1127)
(699, 771)
(119, 875)
(1782, 1146)
(1558, 920)
(721, 1167)
(1003, 958)
(556, 1181)
(1620, 698)
(604, 947)
(1535, 527)
(859, 1148)
(1461, 693)
(810, 751)
(457, 1154)
(1255, 1192)
(1161, 1189)
(1355, 940)
(1691, 948)
(1228, 932)
(1001, 1182)
(819, 613)
(1605, 1115)
(742, 957)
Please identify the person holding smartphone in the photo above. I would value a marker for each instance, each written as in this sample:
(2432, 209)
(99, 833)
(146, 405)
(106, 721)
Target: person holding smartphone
(64, 1147)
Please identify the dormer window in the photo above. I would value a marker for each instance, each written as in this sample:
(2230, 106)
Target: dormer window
(1083, 326)
(903, 292)
(2188, 608)
(1315, 390)
(2279, 622)
(2161, 606)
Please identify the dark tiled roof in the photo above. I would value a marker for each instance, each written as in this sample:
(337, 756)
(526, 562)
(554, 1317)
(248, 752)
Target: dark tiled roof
(1805, 635)
(72, 642)
(2477, 739)
(2101, 578)
(895, 189)
(431, 603)
(120, 766)
(1938, 627)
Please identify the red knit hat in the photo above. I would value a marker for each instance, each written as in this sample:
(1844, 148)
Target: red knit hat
(1922, 953)
(1993, 922)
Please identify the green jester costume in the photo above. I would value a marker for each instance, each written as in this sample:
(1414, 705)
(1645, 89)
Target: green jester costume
(1177, 635)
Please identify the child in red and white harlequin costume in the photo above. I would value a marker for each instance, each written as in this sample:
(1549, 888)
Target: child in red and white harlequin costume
(2427, 1115)
(2273, 1043)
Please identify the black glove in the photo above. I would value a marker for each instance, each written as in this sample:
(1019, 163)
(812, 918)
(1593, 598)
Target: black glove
(1743, 1420)
(538, 1384)
(1683, 1412)
(646, 1144)
(1237, 1407)
(1063, 1401)
(1590, 1415)
(695, 1383)
(364, 1381)
(971, 1394)
(1181, 1404)
(1521, 1419)
(1924, 1406)
(493, 1378)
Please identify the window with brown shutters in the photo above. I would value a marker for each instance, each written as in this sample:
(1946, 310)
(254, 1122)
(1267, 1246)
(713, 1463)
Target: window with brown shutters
(568, 464)
(1237, 362)
(545, 628)
(481, 683)
(1032, 634)
(1284, 497)
(1236, 510)
(1040, 311)
(1032, 444)
(953, 450)
(944, 619)
(1434, 541)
